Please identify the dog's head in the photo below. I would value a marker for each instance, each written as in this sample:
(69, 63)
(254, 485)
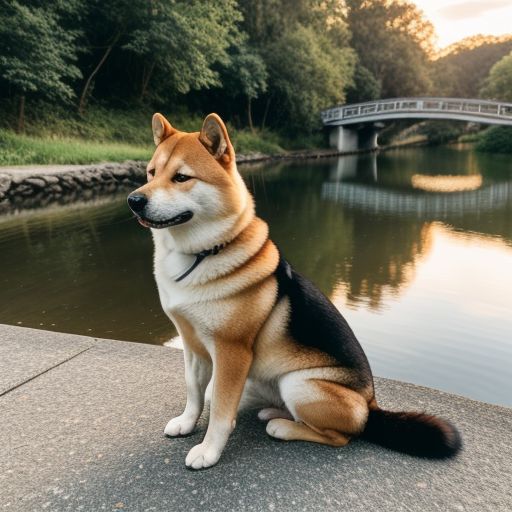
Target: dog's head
(193, 188)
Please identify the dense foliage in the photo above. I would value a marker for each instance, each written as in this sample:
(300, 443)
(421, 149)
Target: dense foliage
(272, 63)
(498, 84)
(266, 64)
(497, 139)
(38, 51)
(393, 41)
(463, 68)
(441, 132)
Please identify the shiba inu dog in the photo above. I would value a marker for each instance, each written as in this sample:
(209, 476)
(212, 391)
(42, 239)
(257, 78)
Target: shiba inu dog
(262, 333)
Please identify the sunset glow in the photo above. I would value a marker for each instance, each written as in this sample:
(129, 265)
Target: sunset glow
(456, 19)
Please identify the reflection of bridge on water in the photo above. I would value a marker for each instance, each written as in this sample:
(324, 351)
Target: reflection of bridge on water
(425, 205)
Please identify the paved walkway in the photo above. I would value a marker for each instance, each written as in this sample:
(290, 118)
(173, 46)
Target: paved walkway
(81, 424)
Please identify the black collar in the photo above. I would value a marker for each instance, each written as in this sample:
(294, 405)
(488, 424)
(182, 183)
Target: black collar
(200, 256)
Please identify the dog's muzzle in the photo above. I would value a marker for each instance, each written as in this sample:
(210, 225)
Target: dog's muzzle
(137, 203)
(175, 221)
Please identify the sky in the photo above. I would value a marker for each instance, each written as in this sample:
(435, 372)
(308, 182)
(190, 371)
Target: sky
(455, 19)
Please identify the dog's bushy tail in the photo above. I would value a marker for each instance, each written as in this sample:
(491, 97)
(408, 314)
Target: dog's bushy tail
(414, 433)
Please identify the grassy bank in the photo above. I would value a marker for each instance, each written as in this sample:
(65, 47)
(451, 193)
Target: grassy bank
(56, 137)
(24, 150)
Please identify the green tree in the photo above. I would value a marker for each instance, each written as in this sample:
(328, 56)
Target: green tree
(183, 42)
(308, 74)
(393, 41)
(304, 46)
(107, 24)
(38, 56)
(498, 84)
(247, 76)
(365, 87)
(463, 67)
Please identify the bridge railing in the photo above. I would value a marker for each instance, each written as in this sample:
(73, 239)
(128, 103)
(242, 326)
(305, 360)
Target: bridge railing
(454, 105)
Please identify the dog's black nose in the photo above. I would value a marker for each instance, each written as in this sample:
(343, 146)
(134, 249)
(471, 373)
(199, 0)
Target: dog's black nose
(137, 202)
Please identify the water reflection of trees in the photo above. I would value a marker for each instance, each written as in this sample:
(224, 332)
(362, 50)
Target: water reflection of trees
(355, 247)
(383, 261)
(332, 245)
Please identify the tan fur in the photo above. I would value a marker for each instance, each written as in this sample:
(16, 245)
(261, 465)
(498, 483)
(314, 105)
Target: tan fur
(288, 430)
(242, 328)
(232, 361)
(185, 148)
(226, 310)
(276, 353)
(337, 409)
(189, 336)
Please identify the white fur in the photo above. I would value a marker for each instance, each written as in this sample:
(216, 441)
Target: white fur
(260, 394)
(208, 452)
(278, 429)
(198, 373)
(271, 413)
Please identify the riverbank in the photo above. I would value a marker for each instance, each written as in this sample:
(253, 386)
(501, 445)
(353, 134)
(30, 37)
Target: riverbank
(27, 187)
(82, 423)
(57, 150)
(110, 135)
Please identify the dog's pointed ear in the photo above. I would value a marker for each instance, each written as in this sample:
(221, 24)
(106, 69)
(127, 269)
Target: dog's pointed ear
(161, 128)
(214, 137)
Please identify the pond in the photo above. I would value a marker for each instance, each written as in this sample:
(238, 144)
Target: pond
(414, 246)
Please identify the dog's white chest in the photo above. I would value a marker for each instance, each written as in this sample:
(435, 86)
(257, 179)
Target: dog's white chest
(174, 264)
(167, 269)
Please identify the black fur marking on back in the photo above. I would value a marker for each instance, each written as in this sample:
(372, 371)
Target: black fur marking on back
(315, 322)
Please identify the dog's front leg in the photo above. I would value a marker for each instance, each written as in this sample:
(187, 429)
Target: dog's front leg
(198, 372)
(230, 368)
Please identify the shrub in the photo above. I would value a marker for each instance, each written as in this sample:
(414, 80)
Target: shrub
(441, 132)
(497, 139)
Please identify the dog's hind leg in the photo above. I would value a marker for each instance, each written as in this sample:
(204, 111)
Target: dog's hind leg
(289, 430)
(324, 411)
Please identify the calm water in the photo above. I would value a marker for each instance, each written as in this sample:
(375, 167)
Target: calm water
(413, 246)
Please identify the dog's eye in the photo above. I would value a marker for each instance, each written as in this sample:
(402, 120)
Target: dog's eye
(181, 178)
(151, 174)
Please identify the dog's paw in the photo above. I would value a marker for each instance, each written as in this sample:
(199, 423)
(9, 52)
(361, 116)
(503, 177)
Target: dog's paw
(180, 426)
(272, 412)
(278, 428)
(202, 456)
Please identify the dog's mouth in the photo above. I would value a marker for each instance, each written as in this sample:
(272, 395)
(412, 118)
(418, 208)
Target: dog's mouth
(175, 221)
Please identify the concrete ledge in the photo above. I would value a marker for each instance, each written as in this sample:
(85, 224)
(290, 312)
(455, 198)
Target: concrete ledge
(84, 432)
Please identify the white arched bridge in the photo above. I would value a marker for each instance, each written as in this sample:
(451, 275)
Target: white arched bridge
(355, 127)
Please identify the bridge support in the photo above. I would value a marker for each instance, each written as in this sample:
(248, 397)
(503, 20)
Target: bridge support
(354, 139)
(350, 166)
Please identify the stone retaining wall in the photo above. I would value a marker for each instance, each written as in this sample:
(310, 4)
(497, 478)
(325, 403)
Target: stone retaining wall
(25, 188)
